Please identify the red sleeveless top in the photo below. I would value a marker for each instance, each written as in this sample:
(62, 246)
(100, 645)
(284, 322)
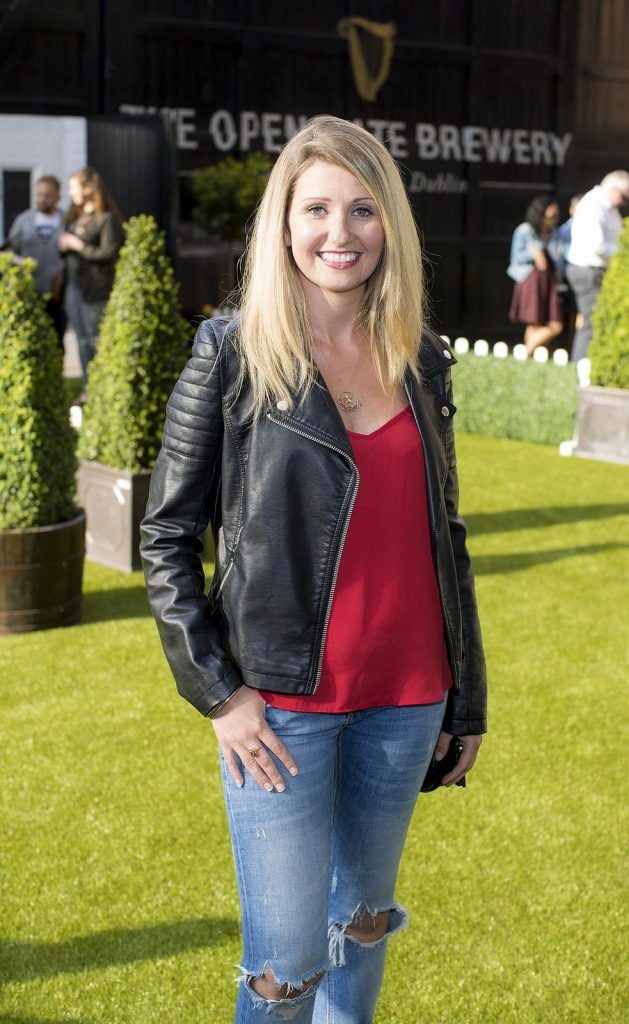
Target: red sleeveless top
(385, 642)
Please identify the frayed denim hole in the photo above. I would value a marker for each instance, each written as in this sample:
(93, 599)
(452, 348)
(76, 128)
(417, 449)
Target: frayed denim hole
(283, 1007)
(337, 933)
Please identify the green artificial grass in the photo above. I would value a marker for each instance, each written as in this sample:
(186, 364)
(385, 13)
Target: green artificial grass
(117, 894)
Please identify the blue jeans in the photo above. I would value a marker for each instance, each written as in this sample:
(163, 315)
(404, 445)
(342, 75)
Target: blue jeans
(323, 855)
(84, 319)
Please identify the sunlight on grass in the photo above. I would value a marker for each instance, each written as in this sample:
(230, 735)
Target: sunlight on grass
(117, 895)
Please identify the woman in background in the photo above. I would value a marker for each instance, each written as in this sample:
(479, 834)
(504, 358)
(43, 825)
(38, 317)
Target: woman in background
(534, 252)
(91, 243)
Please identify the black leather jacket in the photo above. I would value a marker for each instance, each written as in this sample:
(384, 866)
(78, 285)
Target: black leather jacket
(94, 267)
(278, 493)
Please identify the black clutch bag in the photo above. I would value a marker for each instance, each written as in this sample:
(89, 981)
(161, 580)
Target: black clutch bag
(438, 769)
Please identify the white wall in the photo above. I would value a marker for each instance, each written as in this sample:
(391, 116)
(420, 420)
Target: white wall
(41, 145)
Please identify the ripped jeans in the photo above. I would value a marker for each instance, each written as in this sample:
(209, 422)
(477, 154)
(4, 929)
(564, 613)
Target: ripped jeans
(324, 855)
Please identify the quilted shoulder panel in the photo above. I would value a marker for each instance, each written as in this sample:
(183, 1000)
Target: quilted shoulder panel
(194, 414)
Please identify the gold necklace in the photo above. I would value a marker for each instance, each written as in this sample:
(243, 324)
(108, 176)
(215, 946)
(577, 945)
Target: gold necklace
(347, 399)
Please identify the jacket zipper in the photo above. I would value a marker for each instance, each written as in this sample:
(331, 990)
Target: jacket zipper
(435, 533)
(231, 563)
(332, 447)
(225, 576)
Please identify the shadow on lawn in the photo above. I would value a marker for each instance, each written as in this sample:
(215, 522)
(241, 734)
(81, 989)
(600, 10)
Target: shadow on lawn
(122, 602)
(10, 1018)
(485, 565)
(530, 518)
(25, 960)
(117, 603)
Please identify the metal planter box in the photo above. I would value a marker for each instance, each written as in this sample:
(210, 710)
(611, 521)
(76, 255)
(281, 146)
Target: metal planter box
(114, 501)
(41, 576)
(603, 424)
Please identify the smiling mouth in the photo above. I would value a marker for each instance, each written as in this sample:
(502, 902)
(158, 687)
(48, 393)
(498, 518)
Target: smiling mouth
(340, 260)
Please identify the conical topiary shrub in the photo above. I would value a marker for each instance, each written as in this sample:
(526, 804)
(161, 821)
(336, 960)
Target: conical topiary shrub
(42, 533)
(602, 430)
(609, 348)
(37, 443)
(142, 348)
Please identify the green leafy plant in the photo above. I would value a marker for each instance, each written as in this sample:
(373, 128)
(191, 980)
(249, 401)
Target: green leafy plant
(526, 401)
(37, 443)
(142, 348)
(228, 192)
(609, 348)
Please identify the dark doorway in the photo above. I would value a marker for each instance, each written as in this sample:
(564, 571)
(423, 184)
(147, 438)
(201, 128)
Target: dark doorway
(16, 195)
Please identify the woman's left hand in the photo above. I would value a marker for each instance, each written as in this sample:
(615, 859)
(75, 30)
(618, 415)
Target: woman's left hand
(470, 745)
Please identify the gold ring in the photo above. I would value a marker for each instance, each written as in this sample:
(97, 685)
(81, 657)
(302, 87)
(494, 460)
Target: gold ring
(254, 751)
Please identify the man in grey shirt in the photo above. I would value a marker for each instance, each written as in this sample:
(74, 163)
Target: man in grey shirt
(596, 225)
(34, 233)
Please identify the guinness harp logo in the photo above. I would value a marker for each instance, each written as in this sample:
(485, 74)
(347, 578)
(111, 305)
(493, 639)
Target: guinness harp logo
(369, 75)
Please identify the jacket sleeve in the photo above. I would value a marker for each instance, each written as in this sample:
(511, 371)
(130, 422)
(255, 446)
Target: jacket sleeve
(109, 242)
(185, 488)
(466, 709)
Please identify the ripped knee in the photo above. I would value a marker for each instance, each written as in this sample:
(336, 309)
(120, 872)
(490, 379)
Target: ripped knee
(267, 986)
(368, 928)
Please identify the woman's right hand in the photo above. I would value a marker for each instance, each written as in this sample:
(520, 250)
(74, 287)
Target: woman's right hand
(67, 241)
(243, 732)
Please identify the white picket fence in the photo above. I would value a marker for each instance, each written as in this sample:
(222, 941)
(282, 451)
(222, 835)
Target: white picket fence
(500, 350)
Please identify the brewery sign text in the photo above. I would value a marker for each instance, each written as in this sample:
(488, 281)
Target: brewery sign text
(226, 132)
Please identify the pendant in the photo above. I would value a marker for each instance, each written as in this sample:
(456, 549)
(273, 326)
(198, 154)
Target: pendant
(348, 401)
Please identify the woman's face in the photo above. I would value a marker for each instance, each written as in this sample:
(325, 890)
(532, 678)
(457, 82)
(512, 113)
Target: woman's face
(79, 193)
(551, 214)
(335, 231)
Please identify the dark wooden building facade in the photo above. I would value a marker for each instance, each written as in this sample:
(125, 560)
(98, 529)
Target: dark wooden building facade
(485, 103)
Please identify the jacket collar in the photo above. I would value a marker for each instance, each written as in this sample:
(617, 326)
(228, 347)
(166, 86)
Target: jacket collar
(435, 355)
(317, 414)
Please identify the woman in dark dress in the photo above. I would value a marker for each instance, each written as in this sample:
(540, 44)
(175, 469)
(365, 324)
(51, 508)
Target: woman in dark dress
(535, 250)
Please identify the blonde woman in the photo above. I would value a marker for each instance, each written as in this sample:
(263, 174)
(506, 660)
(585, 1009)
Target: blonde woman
(339, 643)
(91, 243)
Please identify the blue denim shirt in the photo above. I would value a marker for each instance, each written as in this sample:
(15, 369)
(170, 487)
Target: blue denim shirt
(525, 243)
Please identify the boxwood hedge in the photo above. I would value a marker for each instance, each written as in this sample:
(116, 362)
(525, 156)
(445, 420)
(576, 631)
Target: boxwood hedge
(37, 443)
(609, 348)
(527, 401)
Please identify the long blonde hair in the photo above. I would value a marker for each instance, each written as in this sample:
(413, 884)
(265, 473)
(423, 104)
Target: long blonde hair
(275, 336)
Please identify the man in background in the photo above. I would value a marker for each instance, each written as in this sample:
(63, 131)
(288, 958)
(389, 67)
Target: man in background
(564, 231)
(596, 225)
(34, 233)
